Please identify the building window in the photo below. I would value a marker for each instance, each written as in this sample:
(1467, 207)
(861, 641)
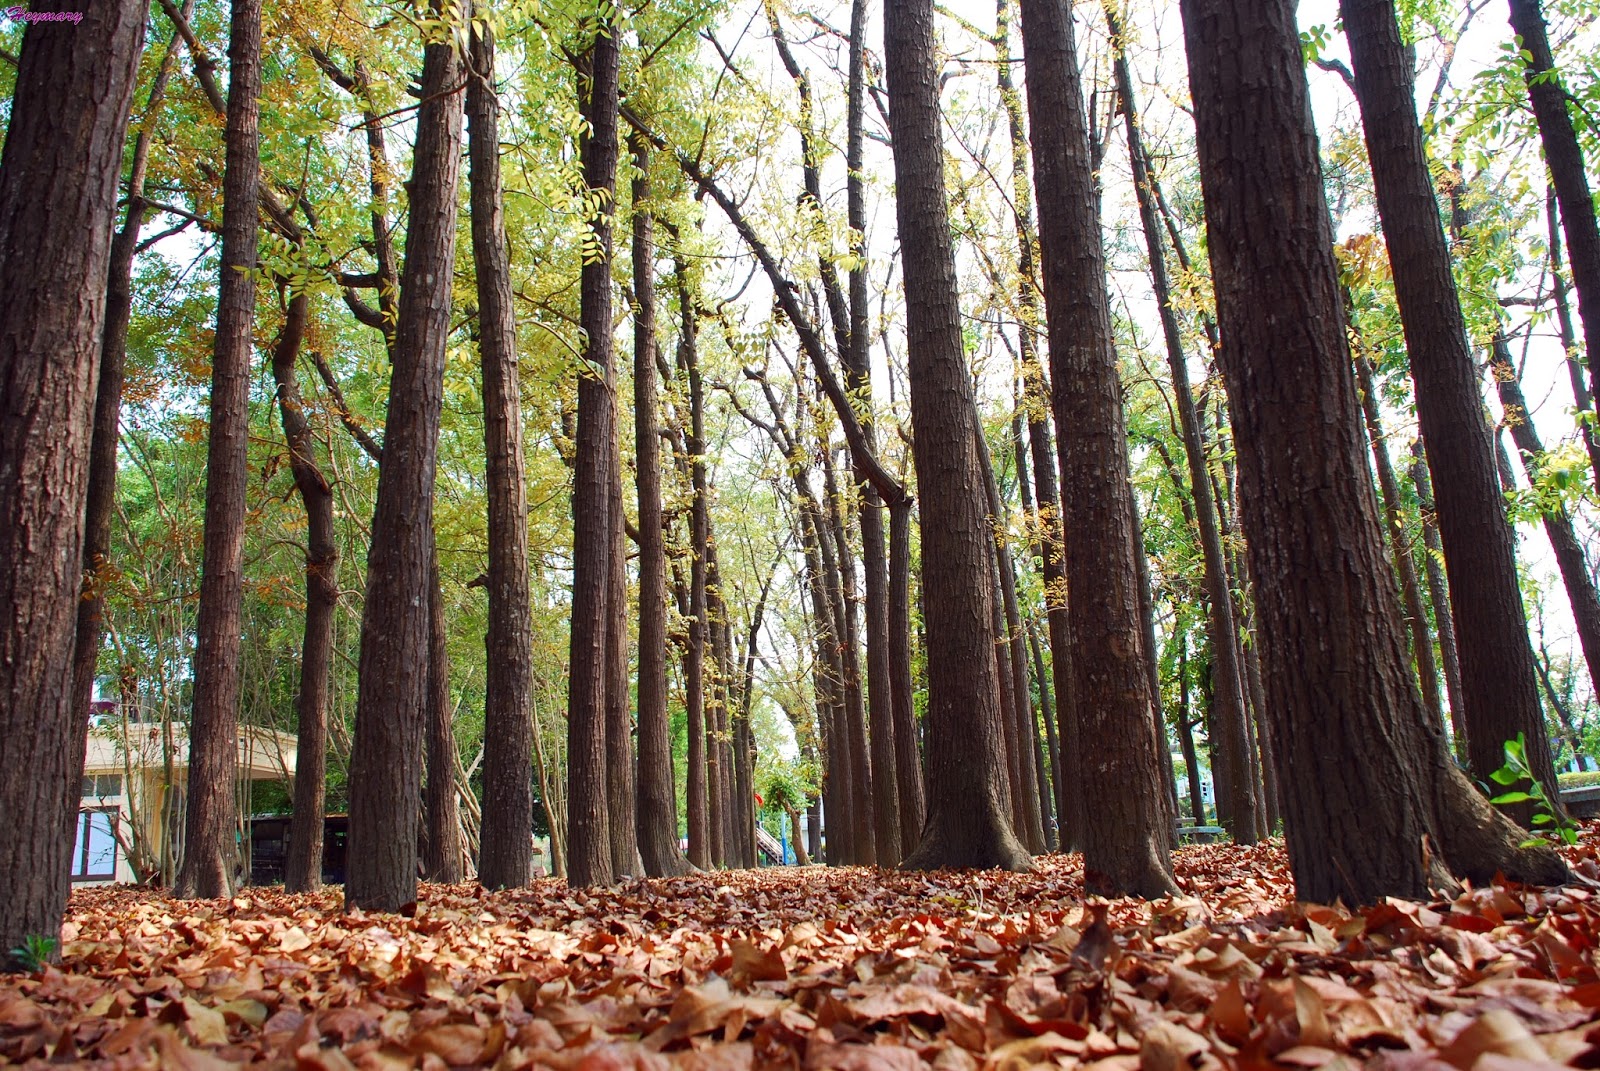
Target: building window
(102, 786)
(94, 853)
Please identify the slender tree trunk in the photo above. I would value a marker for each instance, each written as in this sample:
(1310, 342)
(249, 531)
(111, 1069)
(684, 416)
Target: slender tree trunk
(1499, 683)
(1126, 834)
(210, 855)
(907, 755)
(620, 790)
(108, 401)
(303, 867)
(1330, 632)
(1229, 711)
(657, 810)
(1570, 179)
(442, 860)
(862, 835)
(505, 853)
(1439, 596)
(588, 836)
(1394, 521)
(1152, 666)
(966, 822)
(1027, 819)
(1570, 559)
(1582, 399)
(1052, 741)
(385, 759)
(1191, 758)
(699, 537)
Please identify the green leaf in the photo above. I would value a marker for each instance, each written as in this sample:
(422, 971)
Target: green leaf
(1515, 797)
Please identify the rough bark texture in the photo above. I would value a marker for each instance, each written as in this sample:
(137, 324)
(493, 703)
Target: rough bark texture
(657, 813)
(210, 853)
(1564, 157)
(966, 821)
(1348, 728)
(505, 853)
(1229, 711)
(58, 185)
(862, 830)
(385, 759)
(303, 865)
(1499, 682)
(1568, 551)
(588, 836)
(1125, 835)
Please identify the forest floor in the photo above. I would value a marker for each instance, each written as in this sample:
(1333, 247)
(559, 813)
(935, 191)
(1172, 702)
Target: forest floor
(853, 969)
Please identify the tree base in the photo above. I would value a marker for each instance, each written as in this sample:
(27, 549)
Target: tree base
(975, 841)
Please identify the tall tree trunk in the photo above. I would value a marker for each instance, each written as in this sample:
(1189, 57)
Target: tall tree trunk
(620, 791)
(907, 754)
(588, 836)
(1499, 683)
(1229, 711)
(108, 398)
(1341, 700)
(657, 809)
(58, 195)
(1191, 758)
(505, 853)
(1052, 831)
(1564, 156)
(1026, 817)
(441, 811)
(966, 822)
(385, 759)
(1439, 596)
(1570, 559)
(1400, 548)
(210, 855)
(699, 537)
(862, 837)
(1152, 667)
(303, 866)
(1126, 834)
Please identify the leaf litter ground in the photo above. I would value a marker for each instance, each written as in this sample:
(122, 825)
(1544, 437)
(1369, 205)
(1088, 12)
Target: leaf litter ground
(854, 969)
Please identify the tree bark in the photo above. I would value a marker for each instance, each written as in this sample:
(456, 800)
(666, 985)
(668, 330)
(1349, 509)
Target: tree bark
(1229, 710)
(966, 822)
(108, 400)
(862, 836)
(657, 811)
(1348, 727)
(699, 537)
(303, 866)
(441, 811)
(505, 853)
(1564, 156)
(907, 754)
(58, 192)
(385, 759)
(1499, 684)
(1126, 835)
(620, 792)
(589, 836)
(210, 854)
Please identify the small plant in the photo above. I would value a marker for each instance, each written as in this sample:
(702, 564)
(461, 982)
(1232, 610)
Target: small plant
(34, 952)
(1546, 818)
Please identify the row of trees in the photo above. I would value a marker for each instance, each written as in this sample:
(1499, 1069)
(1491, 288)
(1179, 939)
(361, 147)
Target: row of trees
(970, 691)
